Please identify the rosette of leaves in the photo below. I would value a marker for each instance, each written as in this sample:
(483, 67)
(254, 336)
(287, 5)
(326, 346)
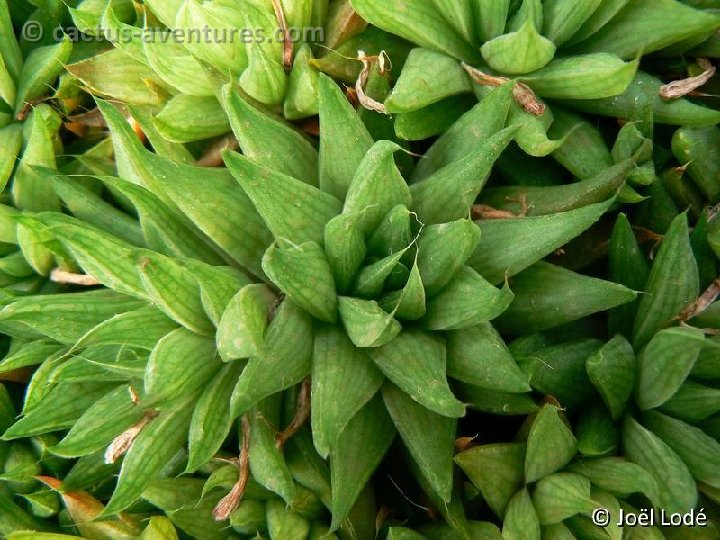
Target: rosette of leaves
(582, 55)
(638, 430)
(321, 264)
(183, 50)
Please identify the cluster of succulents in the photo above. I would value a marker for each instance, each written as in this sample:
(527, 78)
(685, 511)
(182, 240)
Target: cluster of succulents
(404, 270)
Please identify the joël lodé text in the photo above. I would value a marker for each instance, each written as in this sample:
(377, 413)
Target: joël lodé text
(651, 517)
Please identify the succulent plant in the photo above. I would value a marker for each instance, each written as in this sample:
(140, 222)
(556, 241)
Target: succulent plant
(505, 259)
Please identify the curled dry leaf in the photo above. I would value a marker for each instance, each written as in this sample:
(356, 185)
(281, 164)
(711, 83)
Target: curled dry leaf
(702, 303)
(365, 100)
(523, 94)
(287, 40)
(229, 503)
(122, 443)
(683, 87)
(302, 414)
(68, 278)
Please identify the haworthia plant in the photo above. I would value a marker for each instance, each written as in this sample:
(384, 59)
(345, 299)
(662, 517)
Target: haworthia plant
(355, 269)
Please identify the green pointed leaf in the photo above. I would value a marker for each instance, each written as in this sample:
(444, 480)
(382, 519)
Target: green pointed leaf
(269, 142)
(443, 250)
(139, 328)
(415, 362)
(521, 520)
(283, 523)
(547, 296)
(497, 402)
(151, 451)
(159, 528)
(377, 187)
(420, 22)
(408, 303)
(361, 447)
(287, 350)
(450, 192)
(643, 27)
(612, 370)
(590, 76)
(491, 18)
(301, 100)
(559, 370)
(211, 419)
(619, 477)
(186, 119)
(509, 246)
(672, 285)
(564, 17)
(100, 424)
(344, 140)
(370, 280)
(30, 354)
(665, 363)
(313, 289)
(10, 146)
(164, 231)
(89, 207)
(466, 301)
(428, 436)
(345, 249)
(426, 78)
(267, 463)
(496, 470)
(292, 209)
(264, 79)
(226, 55)
(585, 153)
(563, 198)
(596, 431)
(518, 52)
(627, 266)
(677, 490)
(340, 372)
(32, 191)
(693, 402)
(99, 254)
(550, 445)
(646, 89)
(63, 317)
(59, 409)
(40, 70)
(692, 146)
(174, 290)
(473, 128)
(244, 321)
(172, 62)
(218, 285)
(367, 324)
(393, 233)
(116, 74)
(562, 495)
(479, 356)
(179, 365)
(600, 17)
(12, 55)
(201, 193)
(698, 450)
(433, 119)
(249, 517)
